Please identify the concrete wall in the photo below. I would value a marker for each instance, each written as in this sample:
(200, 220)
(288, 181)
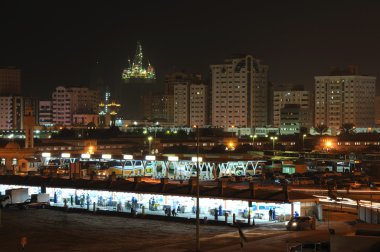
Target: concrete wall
(369, 215)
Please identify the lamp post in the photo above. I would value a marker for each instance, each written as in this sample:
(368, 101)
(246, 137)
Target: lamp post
(150, 143)
(198, 244)
(273, 140)
(253, 141)
(303, 142)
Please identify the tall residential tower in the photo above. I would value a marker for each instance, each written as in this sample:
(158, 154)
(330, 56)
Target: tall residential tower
(345, 97)
(239, 93)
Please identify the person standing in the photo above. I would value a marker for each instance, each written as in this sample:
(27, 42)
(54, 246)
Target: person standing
(274, 215)
(270, 214)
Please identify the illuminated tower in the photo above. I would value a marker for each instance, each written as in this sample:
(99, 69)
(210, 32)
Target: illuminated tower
(108, 111)
(139, 78)
(137, 69)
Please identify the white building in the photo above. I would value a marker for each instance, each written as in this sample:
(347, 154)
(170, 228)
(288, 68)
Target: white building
(190, 104)
(342, 99)
(239, 93)
(11, 112)
(67, 101)
(289, 97)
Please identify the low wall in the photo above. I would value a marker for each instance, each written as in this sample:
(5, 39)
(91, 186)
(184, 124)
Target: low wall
(369, 215)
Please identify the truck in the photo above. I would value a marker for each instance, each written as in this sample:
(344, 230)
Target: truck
(14, 197)
(41, 200)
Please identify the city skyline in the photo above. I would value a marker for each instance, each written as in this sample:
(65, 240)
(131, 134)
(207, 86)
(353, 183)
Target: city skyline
(61, 45)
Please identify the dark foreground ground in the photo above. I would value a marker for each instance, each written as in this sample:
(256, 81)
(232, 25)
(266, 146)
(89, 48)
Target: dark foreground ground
(52, 230)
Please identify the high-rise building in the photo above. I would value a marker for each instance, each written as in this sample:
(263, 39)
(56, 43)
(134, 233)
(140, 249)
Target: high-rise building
(377, 110)
(345, 97)
(293, 117)
(45, 113)
(190, 104)
(290, 95)
(239, 93)
(67, 101)
(163, 104)
(177, 77)
(11, 112)
(10, 81)
(161, 108)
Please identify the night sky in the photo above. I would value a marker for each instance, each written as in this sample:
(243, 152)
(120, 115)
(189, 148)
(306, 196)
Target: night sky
(59, 42)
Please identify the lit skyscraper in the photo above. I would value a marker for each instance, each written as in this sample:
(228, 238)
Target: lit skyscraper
(345, 97)
(239, 93)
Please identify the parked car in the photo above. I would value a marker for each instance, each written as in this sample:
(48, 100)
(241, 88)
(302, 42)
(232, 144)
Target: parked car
(301, 223)
(30, 204)
(41, 200)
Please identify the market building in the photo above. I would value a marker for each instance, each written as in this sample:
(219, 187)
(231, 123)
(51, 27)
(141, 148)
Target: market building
(251, 202)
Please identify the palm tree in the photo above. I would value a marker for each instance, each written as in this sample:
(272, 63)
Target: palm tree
(347, 128)
(321, 128)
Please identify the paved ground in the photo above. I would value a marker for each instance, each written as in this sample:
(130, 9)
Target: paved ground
(51, 230)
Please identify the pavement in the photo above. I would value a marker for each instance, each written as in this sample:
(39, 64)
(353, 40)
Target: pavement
(341, 223)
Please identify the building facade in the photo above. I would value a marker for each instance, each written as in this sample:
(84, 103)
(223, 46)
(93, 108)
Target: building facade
(11, 112)
(10, 81)
(239, 93)
(345, 98)
(67, 101)
(45, 113)
(162, 108)
(377, 110)
(294, 96)
(293, 117)
(190, 102)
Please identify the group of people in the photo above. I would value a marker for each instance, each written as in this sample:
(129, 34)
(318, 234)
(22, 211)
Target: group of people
(152, 204)
(272, 214)
(169, 211)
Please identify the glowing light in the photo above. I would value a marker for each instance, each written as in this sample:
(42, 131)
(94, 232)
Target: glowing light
(328, 144)
(90, 150)
(127, 157)
(106, 156)
(173, 158)
(65, 155)
(46, 154)
(194, 159)
(137, 70)
(85, 155)
(150, 158)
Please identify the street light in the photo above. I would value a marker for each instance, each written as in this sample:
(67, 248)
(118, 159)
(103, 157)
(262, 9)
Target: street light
(273, 140)
(198, 244)
(253, 141)
(232, 130)
(303, 142)
(150, 143)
